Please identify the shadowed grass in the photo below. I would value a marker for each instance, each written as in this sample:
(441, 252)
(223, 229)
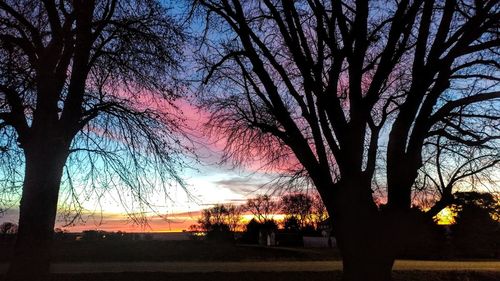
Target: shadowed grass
(276, 276)
(155, 251)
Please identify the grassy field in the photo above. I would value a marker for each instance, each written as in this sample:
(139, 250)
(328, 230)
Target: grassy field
(156, 251)
(159, 251)
(276, 276)
(253, 266)
(198, 260)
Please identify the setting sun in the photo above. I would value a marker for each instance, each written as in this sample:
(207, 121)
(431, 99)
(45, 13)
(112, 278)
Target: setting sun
(446, 216)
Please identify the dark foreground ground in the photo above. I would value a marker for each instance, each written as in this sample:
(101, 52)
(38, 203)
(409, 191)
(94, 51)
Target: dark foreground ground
(157, 251)
(276, 264)
(275, 276)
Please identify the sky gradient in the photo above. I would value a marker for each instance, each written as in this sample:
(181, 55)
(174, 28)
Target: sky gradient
(208, 182)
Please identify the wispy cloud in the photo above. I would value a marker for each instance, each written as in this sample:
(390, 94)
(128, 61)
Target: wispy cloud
(10, 215)
(246, 186)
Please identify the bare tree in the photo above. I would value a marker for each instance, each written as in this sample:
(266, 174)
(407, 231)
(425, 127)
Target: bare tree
(262, 207)
(453, 167)
(86, 97)
(299, 207)
(220, 218)
(319, 214)
(337, 85)
(489, 202)
(234, 217)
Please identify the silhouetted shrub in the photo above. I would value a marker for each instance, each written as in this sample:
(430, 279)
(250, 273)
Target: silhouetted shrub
(254, 228)
(476, 234)
(425, 239)
(220, 233)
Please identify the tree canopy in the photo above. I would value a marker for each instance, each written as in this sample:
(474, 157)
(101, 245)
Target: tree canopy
(87, 91)
(100, 75)
(346, 92)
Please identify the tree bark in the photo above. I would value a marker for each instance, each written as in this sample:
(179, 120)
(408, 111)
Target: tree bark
(367, 253)
(45, 162)
(367, 238)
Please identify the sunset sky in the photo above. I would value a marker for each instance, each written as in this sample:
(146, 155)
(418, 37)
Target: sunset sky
(211, 184)
(208, 183)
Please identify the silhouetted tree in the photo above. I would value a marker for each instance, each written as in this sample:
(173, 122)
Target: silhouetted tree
(220, 221)
(254, 229)
(426, 239)
(486, 201)
(297, 208)
(319, 213)
(233, 216)
(262, 207)
(291, 224)
(451, 167)
(476, 233)
(325, 88)
(251, 233)
(86, 91)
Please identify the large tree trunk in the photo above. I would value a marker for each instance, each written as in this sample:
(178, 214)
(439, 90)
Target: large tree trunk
(367, 253)
(37, 213)
(368, 239)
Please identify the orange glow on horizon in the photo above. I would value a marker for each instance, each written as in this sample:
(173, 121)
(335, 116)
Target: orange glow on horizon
(446, 216)
(114, 222)
(174, 223)
(182, 221)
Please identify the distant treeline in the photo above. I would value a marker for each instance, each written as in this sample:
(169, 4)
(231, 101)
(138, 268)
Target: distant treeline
(475, 234)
